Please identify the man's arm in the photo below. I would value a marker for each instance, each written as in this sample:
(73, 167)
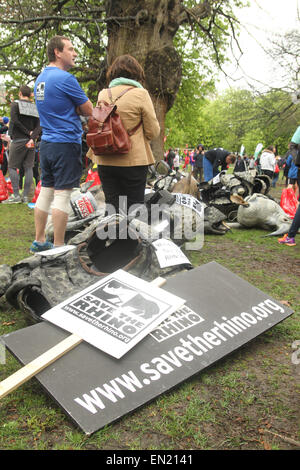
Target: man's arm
(36, 132)
(85, 109)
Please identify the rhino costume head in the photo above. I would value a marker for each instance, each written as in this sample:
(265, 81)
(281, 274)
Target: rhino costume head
(265, 213)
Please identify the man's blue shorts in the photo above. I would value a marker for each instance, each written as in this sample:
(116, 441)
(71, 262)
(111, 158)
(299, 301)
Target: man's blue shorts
(61, 164)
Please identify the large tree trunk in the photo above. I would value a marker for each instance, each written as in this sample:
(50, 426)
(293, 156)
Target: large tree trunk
(147, 33)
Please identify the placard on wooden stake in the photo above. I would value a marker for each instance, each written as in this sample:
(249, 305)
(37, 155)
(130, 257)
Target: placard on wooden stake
(124, 309)
(222, 313)
(115, 313)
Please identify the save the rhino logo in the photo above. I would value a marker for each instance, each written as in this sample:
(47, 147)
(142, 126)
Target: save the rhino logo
(131, 301)
(40, 91)
(118, 309)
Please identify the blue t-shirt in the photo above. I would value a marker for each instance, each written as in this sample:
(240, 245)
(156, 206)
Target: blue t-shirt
(57, 94)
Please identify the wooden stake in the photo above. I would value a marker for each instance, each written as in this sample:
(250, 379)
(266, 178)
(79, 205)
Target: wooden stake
(37, 365)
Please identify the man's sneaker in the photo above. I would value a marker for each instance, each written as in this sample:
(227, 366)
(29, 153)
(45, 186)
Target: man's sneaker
(289, 241)
(37, 246)
(12, 200)
(25, 199)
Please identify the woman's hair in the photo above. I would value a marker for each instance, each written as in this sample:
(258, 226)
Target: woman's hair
(125, 66)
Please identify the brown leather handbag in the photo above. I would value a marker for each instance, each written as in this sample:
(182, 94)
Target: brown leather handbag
(106, 133)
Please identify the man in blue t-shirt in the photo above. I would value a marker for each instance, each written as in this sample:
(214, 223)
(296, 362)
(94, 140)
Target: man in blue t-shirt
(60, 102)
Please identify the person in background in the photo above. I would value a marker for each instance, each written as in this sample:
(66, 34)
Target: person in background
(24, 129)
(285, 174)
(170, 158)
(176, 161)
(198, 163)
(257, 164)
(240, 165)
(186, 160)
(251, 163)
(4, 144)
(215, 158)
(267, 161)
(293, 170)
(289, 238)
(192, 161)
(276, 173)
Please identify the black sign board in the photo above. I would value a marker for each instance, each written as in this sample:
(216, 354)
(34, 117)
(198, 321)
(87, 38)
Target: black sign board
(222, 312)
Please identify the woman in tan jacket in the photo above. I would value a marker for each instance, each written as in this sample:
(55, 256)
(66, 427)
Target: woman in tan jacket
(125, 175)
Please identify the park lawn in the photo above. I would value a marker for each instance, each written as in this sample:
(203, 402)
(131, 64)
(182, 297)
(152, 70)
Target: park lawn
(249, 400)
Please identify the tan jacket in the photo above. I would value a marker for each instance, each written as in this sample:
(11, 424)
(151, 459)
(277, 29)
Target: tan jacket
(134, 106)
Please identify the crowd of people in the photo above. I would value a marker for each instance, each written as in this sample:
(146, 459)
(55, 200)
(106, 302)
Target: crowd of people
(206, 164)
(45, 140)
(215, 160)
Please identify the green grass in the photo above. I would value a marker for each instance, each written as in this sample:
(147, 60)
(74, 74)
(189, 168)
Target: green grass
(224, 407)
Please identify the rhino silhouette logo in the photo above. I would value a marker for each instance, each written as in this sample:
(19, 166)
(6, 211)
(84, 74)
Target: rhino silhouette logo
(128, 299)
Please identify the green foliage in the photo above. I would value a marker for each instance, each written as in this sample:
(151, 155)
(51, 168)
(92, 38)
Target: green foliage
(23, 45)
(202, 48)
(240, 117)
(236, 117)
(26, 28)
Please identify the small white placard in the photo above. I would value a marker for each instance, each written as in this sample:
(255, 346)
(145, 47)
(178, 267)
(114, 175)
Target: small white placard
(190, 201)
(216, 179)
(169, 254)
(115, 313)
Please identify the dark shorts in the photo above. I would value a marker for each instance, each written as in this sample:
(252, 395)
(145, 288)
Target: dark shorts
(61, 164)
(20, 156)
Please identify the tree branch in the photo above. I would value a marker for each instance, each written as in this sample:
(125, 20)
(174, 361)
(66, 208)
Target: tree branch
(196, 13)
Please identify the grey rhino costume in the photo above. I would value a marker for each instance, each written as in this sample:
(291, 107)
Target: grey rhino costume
(263, 212)
(39, 282)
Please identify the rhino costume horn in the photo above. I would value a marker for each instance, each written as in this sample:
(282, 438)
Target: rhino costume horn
(282, 230)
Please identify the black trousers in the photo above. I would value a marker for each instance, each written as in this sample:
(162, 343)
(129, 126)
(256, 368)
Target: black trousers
(123, 186)
(198, 171)
(268, 173)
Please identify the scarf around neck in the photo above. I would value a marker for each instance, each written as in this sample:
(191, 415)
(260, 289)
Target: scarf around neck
(124, 81)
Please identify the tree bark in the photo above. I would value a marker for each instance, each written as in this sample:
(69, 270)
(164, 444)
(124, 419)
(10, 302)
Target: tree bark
(147, 33)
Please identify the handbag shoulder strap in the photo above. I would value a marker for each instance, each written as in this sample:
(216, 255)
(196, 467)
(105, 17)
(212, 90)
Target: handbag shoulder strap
(120, 95)
(134, 129)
